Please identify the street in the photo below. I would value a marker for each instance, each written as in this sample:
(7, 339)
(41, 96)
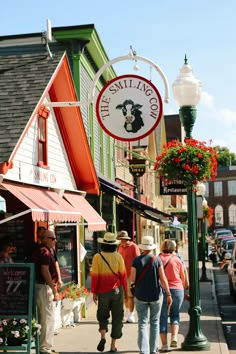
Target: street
(227, 308)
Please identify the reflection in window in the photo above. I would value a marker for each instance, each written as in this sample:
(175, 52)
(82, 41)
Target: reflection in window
(66, 252)
(217, 189)
(231, 187)
(219, 217)
(232, 214)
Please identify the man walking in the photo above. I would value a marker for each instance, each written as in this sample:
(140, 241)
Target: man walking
(128, 250)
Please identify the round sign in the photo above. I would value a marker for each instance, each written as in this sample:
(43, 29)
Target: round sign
(129, 107)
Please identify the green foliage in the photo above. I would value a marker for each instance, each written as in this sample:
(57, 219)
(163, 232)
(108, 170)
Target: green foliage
(225, 157)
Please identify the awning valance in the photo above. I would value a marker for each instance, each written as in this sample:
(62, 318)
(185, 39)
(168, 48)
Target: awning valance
(44, 204)
(94, 220)
(137, 206)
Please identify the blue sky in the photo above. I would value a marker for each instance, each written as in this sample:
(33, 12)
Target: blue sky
(162, 31)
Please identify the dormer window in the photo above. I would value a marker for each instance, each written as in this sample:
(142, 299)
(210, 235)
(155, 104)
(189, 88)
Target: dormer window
(43, 137)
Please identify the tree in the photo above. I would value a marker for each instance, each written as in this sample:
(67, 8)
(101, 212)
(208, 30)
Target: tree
(225, 157)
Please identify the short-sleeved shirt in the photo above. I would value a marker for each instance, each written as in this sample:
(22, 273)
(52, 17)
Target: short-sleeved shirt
(173, 270)
(43, 256)
(148, 287)
(129, 252)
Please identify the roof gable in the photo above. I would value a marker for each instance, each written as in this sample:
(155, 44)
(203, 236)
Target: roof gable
(25, 80)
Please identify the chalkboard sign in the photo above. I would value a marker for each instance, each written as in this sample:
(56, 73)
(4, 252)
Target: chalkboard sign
(16, 289)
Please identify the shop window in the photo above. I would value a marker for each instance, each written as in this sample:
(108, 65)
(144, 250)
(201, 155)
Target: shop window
(43, 137)
(66, 252)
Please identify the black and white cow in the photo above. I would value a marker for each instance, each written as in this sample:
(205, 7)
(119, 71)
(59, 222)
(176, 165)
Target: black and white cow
(132, 114)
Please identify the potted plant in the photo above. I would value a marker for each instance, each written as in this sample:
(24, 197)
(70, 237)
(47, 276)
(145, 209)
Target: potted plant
(14, 331)
(72, 297)
(189, 162)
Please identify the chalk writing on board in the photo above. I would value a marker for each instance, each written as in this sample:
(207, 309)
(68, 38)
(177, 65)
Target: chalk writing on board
(14, 290)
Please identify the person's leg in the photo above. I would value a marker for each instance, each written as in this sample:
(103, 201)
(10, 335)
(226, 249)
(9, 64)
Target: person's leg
(164, 323)
(142, 312)
(46, 313)
(103, 314)
(129, 304)
(155, 310)
(177, 297)
(117, 312)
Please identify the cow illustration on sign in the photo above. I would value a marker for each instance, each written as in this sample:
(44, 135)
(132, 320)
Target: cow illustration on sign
(132, 114)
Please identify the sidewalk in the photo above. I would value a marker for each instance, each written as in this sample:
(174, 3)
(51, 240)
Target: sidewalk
(85, 336)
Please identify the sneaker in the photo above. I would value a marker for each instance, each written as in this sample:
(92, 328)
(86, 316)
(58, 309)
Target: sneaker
(130, 318)
(173, 343)
(164, 348)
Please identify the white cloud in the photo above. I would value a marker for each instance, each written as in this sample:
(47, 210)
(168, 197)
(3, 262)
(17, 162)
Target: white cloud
(228, 116)
(207, 99)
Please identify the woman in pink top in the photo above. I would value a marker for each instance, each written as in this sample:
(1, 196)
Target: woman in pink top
(174, 271)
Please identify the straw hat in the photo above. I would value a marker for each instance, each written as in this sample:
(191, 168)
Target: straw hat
(109, 239)
(147, 243)
(123, 235)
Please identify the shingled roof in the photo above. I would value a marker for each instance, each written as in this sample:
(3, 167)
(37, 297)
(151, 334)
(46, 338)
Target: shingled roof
(23, 80)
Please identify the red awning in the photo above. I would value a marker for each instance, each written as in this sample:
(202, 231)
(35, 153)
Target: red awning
(94, 220)
(44, 204)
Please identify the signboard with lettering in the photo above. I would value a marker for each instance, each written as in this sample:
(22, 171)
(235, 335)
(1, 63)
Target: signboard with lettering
(15, 289)
(129, 107)
(16, 297)
(174, 188)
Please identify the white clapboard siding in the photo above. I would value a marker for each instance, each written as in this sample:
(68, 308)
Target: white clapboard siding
(27, 155)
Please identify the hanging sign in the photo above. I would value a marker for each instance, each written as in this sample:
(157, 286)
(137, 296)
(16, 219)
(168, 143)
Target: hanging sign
(129, 107)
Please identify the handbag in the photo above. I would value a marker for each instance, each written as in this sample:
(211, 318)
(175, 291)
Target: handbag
(133, 285)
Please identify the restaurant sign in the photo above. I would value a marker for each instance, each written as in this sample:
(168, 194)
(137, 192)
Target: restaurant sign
(129, 107)
(172, 188)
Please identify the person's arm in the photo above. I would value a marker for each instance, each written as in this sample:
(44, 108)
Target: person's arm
(165, 285)
(48, 280)
(59, 281)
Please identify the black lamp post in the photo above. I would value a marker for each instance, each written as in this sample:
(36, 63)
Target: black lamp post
(187, 93)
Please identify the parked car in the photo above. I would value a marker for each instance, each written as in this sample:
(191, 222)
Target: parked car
(232, 273)
(226, 244)
(222, 232)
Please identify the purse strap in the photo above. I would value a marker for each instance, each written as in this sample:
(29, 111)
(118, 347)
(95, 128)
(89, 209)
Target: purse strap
(116, 274)
(168, 261)
(145, 270)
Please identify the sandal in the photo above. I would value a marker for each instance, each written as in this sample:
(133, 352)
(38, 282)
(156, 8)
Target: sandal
(101, 345)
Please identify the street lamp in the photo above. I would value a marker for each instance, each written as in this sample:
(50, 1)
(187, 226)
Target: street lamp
(187, 93)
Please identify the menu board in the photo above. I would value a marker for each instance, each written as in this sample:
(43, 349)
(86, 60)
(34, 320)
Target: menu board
(16, 289)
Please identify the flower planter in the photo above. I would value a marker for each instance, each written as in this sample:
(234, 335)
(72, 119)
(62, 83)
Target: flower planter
(12, 341)
(67, 304)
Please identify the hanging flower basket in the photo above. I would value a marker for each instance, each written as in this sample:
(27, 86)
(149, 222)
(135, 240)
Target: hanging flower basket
(208, 214)
(189, 162)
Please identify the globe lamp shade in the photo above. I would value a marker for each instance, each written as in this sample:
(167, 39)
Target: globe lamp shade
(186, 88)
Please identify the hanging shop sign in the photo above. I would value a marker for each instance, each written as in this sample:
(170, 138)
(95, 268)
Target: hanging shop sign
(129, 107)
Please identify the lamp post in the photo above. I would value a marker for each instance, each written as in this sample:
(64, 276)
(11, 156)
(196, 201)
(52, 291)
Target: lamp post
(187, 93)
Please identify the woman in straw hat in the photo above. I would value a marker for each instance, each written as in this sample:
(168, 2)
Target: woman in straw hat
(148, 275)
(109, 286)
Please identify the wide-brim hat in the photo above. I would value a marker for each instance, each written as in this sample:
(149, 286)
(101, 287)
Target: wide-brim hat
(147, 243)
(108, 239)
(123, 235)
